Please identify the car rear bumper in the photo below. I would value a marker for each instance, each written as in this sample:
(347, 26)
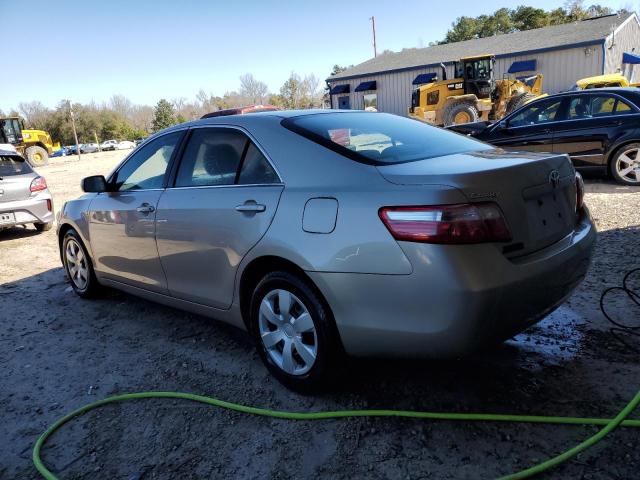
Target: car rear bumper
(457, 299)
(32, 210)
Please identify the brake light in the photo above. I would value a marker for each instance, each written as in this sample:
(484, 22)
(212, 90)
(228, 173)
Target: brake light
(447, 224)
(38, 184)
(579, 192)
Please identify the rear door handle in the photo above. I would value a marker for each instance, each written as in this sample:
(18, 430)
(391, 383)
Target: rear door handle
(251, 207)
(145, 208)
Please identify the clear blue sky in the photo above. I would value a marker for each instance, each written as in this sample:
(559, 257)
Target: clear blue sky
(89, 50)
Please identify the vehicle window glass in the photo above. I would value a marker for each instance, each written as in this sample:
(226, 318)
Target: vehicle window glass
(146, 168)
(541, 112)
(256, 169)
(580, 107)
(623, 108)
(380, 138)
(602, 106)
(212, 157)
(13, 166)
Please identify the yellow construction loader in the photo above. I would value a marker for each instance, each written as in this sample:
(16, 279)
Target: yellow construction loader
(34, 145)
(473, 95)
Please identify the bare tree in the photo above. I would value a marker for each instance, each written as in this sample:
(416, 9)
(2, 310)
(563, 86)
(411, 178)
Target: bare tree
(311, 94)
(120, 104)
(35, 113)
(252, 89)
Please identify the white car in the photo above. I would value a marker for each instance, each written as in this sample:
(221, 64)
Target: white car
(125, 144)
(109, 145)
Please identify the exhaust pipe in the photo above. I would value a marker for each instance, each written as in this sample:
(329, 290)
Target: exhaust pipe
(444, 71)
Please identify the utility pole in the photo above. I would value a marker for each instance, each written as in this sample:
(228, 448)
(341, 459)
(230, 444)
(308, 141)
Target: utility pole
(373, 26)
(75, 134)
(95, 135)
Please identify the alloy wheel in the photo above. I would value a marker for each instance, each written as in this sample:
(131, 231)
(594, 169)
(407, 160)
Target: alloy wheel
(77, 266)
(287, 332)
(628, 165)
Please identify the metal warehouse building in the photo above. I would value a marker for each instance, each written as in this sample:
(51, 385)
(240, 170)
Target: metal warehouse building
(562, 53)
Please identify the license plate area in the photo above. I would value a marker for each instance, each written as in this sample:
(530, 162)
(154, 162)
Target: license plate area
(548, 216)
(7, 217)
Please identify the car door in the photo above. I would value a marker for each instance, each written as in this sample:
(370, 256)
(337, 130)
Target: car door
(593, 123)
(222, 201)
(530, 128)
(122, 221)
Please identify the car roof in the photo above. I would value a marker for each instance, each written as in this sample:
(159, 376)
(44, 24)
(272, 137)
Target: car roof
(625, 91)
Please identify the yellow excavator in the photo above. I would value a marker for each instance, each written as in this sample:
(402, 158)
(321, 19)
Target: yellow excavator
(34, 145)
(473, 95)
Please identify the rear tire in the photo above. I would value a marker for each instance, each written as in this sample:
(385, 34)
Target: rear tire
(37, 156)
(78, 267)
(625, 165)
(459, 112)
(43, 227)
(298, 343)
(519, 100)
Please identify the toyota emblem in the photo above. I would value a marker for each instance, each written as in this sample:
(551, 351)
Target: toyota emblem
(554, 178)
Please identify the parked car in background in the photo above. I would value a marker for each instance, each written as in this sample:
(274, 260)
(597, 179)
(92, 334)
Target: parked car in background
(61, 152)
(72, 150)
(125, 144)
(598, 128)
(364, 233)
(109, 145)
(24, 196)
(89, 148)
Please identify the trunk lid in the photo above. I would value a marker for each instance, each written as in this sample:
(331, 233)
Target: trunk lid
(536, 192)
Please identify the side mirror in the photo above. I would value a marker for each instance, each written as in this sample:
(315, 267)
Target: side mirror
(502, 126)
(94, 184)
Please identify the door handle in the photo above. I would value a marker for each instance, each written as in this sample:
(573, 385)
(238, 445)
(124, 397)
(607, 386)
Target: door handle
(251, 207)
(145, 208)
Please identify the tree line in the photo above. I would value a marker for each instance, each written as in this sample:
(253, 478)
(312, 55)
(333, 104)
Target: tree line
(506, 20)
(119, 118)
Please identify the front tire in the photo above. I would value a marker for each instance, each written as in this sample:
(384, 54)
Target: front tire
(37, 156)
(625, 165)
(294, 331)
(78, 266)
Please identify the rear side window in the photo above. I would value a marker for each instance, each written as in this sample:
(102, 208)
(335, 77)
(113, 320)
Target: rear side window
(13, 166)
(212, 157)
(380, 138)
(256, 169)
(595, 106)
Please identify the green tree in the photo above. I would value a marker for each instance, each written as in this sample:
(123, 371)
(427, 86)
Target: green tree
(291, 92)
(163, 115)
(527, 18)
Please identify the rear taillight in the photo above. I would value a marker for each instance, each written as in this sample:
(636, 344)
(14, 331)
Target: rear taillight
(451, 224)
(38, 184)
(579, 192)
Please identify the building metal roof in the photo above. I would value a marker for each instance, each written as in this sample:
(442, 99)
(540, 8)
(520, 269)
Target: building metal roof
(585, 32)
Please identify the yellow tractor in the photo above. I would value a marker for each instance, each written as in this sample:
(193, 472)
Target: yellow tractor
(34, 145)
(472, 95)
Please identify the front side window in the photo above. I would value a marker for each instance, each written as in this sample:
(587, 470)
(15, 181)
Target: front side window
(146, 168)
(380, 138)
(540, 112)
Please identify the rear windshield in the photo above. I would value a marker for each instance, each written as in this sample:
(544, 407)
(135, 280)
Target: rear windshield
(13, 166)
(380, 138)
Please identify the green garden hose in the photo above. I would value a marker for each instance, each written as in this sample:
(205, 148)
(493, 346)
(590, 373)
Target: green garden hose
(608, 424)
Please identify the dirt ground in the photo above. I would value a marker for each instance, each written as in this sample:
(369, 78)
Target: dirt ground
(58, 352)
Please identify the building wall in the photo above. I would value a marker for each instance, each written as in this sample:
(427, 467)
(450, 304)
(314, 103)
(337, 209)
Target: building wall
(561, 69)
(626, 39)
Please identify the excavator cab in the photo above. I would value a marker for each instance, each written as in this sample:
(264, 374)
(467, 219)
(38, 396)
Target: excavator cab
(10, 130)
(477, 73)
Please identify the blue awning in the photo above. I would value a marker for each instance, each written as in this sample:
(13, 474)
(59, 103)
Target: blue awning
(424, 78)
(366, 86)
(340, 89)
(631, 58)
(522, 66)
